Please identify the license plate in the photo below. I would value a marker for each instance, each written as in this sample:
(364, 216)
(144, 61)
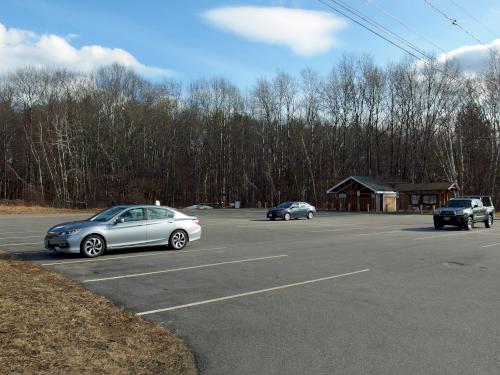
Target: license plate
(446, 219)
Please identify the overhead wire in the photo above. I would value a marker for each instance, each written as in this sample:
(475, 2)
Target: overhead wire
(377, 6)
(474, 18)
(454, 22)
(381, 28)
(428, 60)
(369, 29)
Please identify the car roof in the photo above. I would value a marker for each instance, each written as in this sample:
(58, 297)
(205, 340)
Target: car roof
(142, 206)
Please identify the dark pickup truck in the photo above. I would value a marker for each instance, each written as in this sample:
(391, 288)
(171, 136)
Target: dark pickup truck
(465, 212)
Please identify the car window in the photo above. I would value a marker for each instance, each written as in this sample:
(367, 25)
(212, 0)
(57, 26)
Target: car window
(459, 203)
(134, 214)
(107, 214)
(159, 213)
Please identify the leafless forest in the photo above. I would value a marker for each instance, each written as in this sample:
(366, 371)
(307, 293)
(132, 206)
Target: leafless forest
(115, 137)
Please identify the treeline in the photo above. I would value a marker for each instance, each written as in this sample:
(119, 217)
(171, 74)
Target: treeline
(115, 137)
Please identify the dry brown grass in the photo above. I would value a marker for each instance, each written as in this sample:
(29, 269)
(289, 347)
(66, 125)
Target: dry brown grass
(51, 325)
(28, 209)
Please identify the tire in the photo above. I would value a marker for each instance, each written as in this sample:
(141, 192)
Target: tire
(286, 217)
(470, 223)
(92, 246)
(310, 215)
(178, 239)
(438, 226)
(272, 218)
(489, 221)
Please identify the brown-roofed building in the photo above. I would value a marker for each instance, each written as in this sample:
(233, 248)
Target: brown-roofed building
(426, 195)
(364, 193)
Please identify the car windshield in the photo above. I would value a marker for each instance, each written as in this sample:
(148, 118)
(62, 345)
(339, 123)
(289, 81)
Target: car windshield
(459, 203)
(108, 214)
(285, 205)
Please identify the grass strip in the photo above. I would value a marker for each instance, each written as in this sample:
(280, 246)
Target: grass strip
(52, 325)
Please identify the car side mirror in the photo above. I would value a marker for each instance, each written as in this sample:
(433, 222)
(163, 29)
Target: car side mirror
(475, 206)
(120, 220)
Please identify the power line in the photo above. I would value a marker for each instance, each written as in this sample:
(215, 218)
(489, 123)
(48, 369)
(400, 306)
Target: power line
(370, 30)
(377, 6)
(474, 18)
(381, 27)
(454, 79)
(454, 22)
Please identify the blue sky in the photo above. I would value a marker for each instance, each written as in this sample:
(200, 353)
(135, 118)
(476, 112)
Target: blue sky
(240, 40)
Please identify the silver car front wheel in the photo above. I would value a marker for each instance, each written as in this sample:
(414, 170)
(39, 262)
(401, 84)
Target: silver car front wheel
(178, 239)
(310, 215)
(92, 246)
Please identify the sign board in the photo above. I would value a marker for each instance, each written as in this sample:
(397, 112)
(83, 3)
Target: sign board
(358, 193)
(342, 195)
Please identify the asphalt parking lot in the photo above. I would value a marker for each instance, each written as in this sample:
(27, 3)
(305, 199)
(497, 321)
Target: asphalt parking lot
(340, 294)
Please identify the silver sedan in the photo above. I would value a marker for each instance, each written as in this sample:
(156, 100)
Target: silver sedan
(124, 227)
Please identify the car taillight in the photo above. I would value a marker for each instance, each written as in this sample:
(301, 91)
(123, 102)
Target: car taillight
(196, 221)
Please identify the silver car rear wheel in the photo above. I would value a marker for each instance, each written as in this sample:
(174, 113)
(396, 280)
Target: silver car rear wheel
(92, 246)
(178, 239)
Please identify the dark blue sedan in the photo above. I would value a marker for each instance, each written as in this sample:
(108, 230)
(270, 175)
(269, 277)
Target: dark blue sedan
(292, 210)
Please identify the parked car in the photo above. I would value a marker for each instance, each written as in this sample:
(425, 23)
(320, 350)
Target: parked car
(200, 206)
(292, 210)
(124, 227)
(464, 212)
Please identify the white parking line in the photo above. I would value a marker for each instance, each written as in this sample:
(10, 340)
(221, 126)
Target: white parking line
(19, 244)
(14, 238)
(483, 231)
(490, 245)
(335, 230)
(131, 256)
(184, 268)
(374, 233)
(249, 293)
(40, 232)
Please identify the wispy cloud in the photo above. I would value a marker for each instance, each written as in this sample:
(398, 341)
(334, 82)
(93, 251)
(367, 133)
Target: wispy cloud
(19, 48)
(305, 32)
(471, 58)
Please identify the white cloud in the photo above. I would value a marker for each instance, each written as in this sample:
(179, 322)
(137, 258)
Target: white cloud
(472, 59)
(305, 32)
(20, 48)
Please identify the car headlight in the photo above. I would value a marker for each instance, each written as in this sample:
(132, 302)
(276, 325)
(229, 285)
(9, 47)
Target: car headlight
(70, 232)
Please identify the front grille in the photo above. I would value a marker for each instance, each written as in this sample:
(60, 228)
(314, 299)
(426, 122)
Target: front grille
(447, 213)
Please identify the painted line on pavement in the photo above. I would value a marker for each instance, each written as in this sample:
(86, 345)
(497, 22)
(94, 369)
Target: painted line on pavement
(131, 256)
(373, 233)
(184, 268)
(20, 244)
(335, 230)
(15, 238)
(490, 245)
(249, 293)
(40, 232)
(467, 232)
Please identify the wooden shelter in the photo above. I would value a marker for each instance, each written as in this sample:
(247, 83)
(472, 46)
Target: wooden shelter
(362, 193)
(426, 195)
